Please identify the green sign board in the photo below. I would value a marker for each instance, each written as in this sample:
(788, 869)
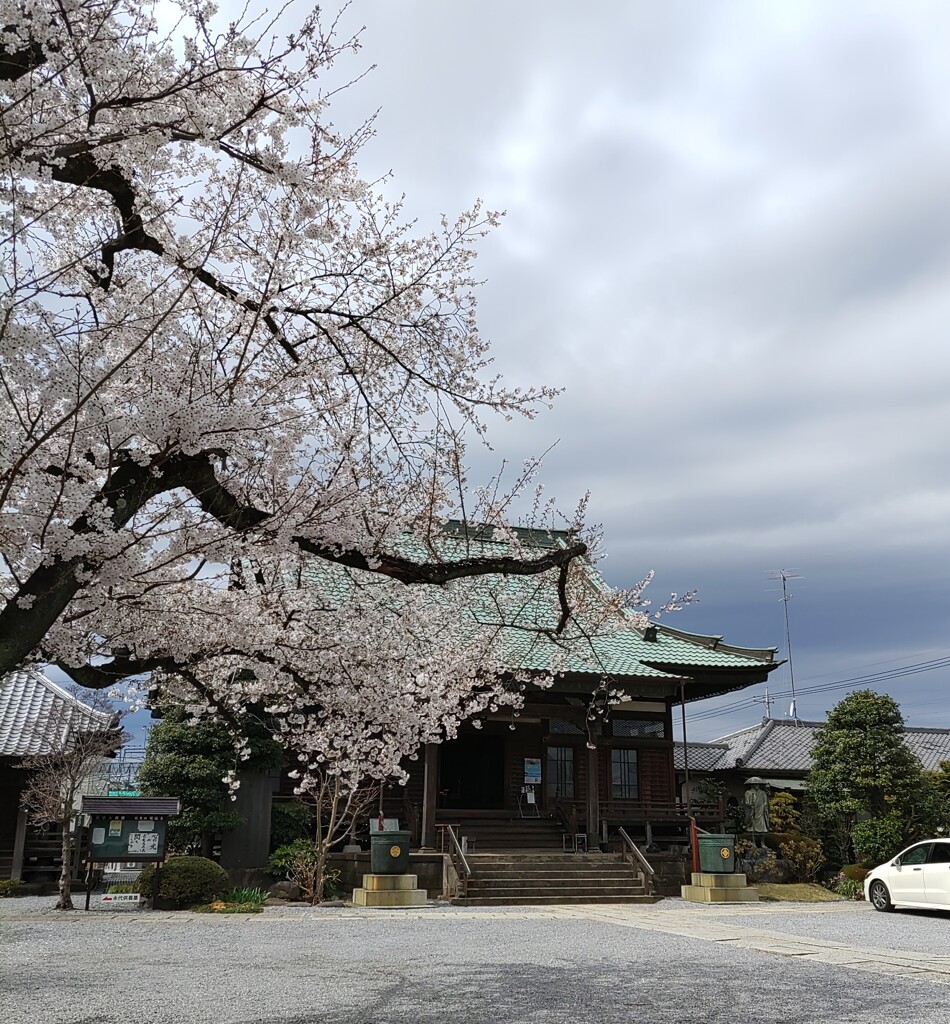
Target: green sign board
(124, 792)
(126, 838)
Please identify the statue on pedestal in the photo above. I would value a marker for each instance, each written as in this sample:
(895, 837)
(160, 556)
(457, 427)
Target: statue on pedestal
(757, 806)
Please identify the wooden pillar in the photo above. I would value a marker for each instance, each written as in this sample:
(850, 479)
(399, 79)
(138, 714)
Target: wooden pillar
(430, 794)
(593, 798)
(19, 845)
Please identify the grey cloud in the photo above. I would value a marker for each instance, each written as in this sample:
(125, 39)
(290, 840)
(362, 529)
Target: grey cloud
(728, 236)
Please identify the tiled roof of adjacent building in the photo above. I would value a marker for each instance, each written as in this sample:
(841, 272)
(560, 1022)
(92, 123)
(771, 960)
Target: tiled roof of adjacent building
(784, 745)
(36, 715)
(703, 757)
(616, 647)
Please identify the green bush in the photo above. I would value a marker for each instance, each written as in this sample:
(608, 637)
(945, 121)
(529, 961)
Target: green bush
(849, 888)
(804, 856)
(855, 872)
(186, 880)
(221, 907)
(125, 887)
(878, 839)
(289, 820)
(8, 886)
(245, 895)
(285, 858)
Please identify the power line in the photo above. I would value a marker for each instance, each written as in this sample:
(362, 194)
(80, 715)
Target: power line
(914, 669)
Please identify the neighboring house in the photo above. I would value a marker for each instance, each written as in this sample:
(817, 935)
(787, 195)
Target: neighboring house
(551, 763)
(36, 717)
(779, 751)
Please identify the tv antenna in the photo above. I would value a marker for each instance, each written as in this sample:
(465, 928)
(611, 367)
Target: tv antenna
(785, 575)
(768, 700)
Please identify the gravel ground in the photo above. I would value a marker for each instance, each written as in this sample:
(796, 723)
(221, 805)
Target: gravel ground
(919, 931)
(445, 965)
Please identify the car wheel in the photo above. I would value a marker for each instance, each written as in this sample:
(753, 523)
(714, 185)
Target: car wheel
(880, 897)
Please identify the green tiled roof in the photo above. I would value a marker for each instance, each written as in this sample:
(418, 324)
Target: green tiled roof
(526, 612)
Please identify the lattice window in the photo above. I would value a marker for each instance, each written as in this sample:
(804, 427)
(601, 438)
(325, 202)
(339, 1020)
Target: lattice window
(641, 728)
(560, 774)
(562, 725)
(625, 777)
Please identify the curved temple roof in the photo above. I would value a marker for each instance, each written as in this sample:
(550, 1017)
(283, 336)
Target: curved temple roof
(598, 643)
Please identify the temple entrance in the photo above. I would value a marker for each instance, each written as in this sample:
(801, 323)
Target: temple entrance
(472, 773)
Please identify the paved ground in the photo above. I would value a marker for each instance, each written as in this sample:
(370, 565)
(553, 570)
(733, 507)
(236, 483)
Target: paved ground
(673, 962)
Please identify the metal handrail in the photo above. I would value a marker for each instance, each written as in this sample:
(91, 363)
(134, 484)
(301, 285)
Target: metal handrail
(649, 873)
(461, 864)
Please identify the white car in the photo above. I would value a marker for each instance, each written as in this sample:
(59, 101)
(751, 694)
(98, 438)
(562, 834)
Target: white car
(917, 877)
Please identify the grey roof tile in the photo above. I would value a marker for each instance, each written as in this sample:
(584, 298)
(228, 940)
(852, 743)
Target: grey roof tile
(36, 715)
(784, 745)
(703, 757)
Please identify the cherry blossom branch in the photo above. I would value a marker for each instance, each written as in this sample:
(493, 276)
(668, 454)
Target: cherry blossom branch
(44, 596)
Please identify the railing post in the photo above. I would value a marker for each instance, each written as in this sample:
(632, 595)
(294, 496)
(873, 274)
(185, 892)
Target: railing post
(694, 843)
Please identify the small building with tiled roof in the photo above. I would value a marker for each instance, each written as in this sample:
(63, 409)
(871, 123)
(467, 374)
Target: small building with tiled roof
(37, 717)
(779, 751)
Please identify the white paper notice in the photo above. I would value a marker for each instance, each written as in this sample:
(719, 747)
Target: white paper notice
(145, 843)
(146, 826)
(98, 836)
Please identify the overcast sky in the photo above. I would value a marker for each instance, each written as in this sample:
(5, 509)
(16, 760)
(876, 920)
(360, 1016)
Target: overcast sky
(728, 238)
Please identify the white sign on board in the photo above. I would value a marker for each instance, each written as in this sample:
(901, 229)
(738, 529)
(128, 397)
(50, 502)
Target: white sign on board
(145, 843)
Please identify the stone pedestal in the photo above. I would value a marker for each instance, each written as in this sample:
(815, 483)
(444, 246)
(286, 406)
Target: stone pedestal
(389, 891)
(713, 888)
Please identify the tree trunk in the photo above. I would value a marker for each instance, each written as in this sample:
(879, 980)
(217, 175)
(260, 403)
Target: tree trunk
(207, 844)
(65, 901)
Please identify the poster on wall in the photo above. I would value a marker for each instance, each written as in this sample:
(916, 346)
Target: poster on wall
(532, 771)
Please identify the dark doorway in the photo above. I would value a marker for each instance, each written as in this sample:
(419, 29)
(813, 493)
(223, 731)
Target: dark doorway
(472, 775)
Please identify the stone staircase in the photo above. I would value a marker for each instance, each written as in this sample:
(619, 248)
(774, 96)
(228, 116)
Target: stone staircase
(540, 879)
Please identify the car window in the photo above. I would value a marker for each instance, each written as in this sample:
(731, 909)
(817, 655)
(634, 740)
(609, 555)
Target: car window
(916, 854)
(940, 853)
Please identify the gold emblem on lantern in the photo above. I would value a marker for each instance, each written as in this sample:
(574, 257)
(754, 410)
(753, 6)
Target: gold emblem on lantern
(725, 853)
(394, 851)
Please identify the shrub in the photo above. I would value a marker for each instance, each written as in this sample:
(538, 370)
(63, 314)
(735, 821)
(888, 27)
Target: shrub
(290, 820)
(804, 856)
(8, 886)
(221, 907)
(855, 872)
(245, 896)
(878, 839)
(849, 888)
(122, 888)
(185, 880)
(303, 862)
(285, 858)
(761, 865)
(784, 813)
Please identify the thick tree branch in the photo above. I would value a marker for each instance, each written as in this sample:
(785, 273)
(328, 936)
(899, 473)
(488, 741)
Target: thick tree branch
(46, 593)
(15, 64)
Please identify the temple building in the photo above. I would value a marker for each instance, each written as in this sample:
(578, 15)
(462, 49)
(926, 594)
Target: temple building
(585, 755)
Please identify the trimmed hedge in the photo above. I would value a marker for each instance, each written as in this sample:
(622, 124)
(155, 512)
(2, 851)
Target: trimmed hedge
(184, 881)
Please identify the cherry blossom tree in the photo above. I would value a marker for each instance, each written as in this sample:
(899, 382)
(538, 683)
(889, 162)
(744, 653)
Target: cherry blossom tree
(224, 355)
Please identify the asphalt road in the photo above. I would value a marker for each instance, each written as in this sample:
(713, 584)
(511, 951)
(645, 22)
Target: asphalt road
(671, 962)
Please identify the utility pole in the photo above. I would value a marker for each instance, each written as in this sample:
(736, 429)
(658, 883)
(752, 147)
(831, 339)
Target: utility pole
(768, 700)
(785, 575)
